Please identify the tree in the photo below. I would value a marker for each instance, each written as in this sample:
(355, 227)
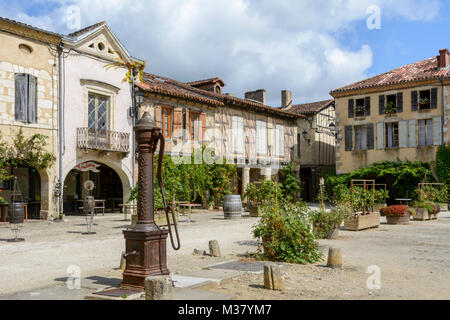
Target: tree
(290, 185)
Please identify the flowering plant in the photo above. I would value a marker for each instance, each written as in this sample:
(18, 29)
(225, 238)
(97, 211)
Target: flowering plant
(394, 211)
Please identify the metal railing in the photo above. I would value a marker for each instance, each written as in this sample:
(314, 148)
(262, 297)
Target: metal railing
(89, 138)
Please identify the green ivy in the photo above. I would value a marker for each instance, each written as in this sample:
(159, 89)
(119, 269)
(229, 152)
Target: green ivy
(443, 164)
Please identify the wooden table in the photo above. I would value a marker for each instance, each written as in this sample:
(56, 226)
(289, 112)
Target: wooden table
(403, 200)
(190, 206)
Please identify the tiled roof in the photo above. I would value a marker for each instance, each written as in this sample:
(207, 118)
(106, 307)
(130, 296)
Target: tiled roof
(85, 30)
(206, 81)
(30, 27)
(421, 70)
(312, 107)
(162, 85)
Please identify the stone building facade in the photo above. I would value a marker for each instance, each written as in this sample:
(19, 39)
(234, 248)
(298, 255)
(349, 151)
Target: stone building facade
(401, 114)
(258, 138)
(28, 101)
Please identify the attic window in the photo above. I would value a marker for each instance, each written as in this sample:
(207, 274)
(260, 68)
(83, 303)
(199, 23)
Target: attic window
(25, 48)
(101, 46)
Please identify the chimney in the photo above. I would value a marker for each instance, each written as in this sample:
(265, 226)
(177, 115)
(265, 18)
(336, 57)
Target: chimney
(443, 58)
(258, 95)
(286, 99)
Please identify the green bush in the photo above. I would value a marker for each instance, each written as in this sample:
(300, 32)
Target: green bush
(264, 191)
(324, 222)
(443, 165)
(285, 229)
(290, 185)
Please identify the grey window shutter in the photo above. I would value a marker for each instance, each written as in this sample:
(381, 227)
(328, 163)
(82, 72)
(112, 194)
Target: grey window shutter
(21, 97)
(403, 134)
(400, 102)
(370, 136)
(380, 135)
(351, 108)
(437, 133)
(414, 101)
(367, 106)
(381, 105)
(32, 99)
(434, 95)
(412, 134)
(348, 138)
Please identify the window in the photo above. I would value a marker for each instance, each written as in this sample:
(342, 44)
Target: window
(25, 98)
(166, 121)
(360, 108)
(360, 138)
(193, 119)
(279, 139)
(261, 137)
(425, 132)
(98, 112)
(391, 136)
(237, 134)
(424, 99)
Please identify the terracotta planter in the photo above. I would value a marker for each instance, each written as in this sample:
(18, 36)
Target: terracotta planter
(403, 219)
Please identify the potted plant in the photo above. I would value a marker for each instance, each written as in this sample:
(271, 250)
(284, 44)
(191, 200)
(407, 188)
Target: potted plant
(326, 224)
(397, 214)
(380, 199)
(390, 109)
(424, 102)
(424, 210)
(260, 193)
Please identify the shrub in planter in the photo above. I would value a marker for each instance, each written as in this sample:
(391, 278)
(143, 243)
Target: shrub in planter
(286, 232)
(326, 223)
(397, 214)
(261, 193)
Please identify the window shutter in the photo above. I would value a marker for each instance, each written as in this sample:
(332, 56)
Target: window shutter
(32, 99)
(414, 101)
(202, 126)
(403, 134)
(367, 106)
(351, 108)
(21, 97)
(380, 135)
(400, 102)
(434, 95)
(412, 140)
(370, 136)
(437, 133)
(348, 138)
(381, 106)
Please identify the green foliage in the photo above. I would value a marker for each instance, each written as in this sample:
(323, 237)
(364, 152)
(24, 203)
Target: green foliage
(438, 194)
(381, 195)
(358, 199)
(401, 177)
(443, 165)
(285, 229)
(264, 191)
(324, 222)
(290, 185)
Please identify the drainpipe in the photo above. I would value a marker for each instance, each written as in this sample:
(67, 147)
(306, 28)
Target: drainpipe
(133, 138)
(443, 111)
(60, 127)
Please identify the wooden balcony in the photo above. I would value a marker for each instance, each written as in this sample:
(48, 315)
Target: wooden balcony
(103, 140)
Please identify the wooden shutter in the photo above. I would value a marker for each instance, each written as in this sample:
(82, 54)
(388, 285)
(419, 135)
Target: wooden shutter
(399, 102)
(367, 106)
(434, 98)
(351, 108)
(403, 134)
(370, 136)
(414, 101)
(437, 131)
(158, 116)
(380, 135)
(381, 104)
(412, 134)
(203, 125)
(348, 138)
(32, 99)
(21, 97)
(177, 123)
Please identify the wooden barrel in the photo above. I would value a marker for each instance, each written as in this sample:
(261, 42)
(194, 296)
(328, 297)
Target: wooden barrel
(232, 207)
(16, 213)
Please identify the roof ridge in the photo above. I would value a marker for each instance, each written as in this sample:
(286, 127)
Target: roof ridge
(86, 29)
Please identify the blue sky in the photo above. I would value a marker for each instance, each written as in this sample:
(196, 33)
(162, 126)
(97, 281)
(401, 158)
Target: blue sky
(309, 47)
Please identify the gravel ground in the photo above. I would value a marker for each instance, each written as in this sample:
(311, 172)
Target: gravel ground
(414, 259)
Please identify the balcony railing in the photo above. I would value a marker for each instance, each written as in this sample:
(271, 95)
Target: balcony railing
(104, 140)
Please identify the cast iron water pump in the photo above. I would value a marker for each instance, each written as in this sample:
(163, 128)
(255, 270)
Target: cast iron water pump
(146, 242)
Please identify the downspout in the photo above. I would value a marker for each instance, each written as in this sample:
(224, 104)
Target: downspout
(60, 127)
(443, 111)
(133, 138)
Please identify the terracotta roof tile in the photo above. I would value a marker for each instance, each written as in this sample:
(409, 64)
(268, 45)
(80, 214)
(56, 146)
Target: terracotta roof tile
(421, 70)
(310, 108)
(30, 27)
(206, 81)
(87, 29)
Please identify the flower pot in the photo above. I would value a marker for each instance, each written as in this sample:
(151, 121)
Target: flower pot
(403, 219)
(422, 214)
(333, 233)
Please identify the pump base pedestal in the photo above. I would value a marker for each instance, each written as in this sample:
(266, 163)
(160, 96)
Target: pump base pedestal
(150, 258)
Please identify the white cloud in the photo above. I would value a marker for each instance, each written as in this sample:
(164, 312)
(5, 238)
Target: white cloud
(251, 44)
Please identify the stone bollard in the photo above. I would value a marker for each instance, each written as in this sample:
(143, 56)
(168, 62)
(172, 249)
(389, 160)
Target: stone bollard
(334, 258)
(214, 249)
(123, 261)
(158, 288)
(272, 277)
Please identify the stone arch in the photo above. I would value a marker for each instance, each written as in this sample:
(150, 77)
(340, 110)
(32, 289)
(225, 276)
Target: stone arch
(48, 201)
